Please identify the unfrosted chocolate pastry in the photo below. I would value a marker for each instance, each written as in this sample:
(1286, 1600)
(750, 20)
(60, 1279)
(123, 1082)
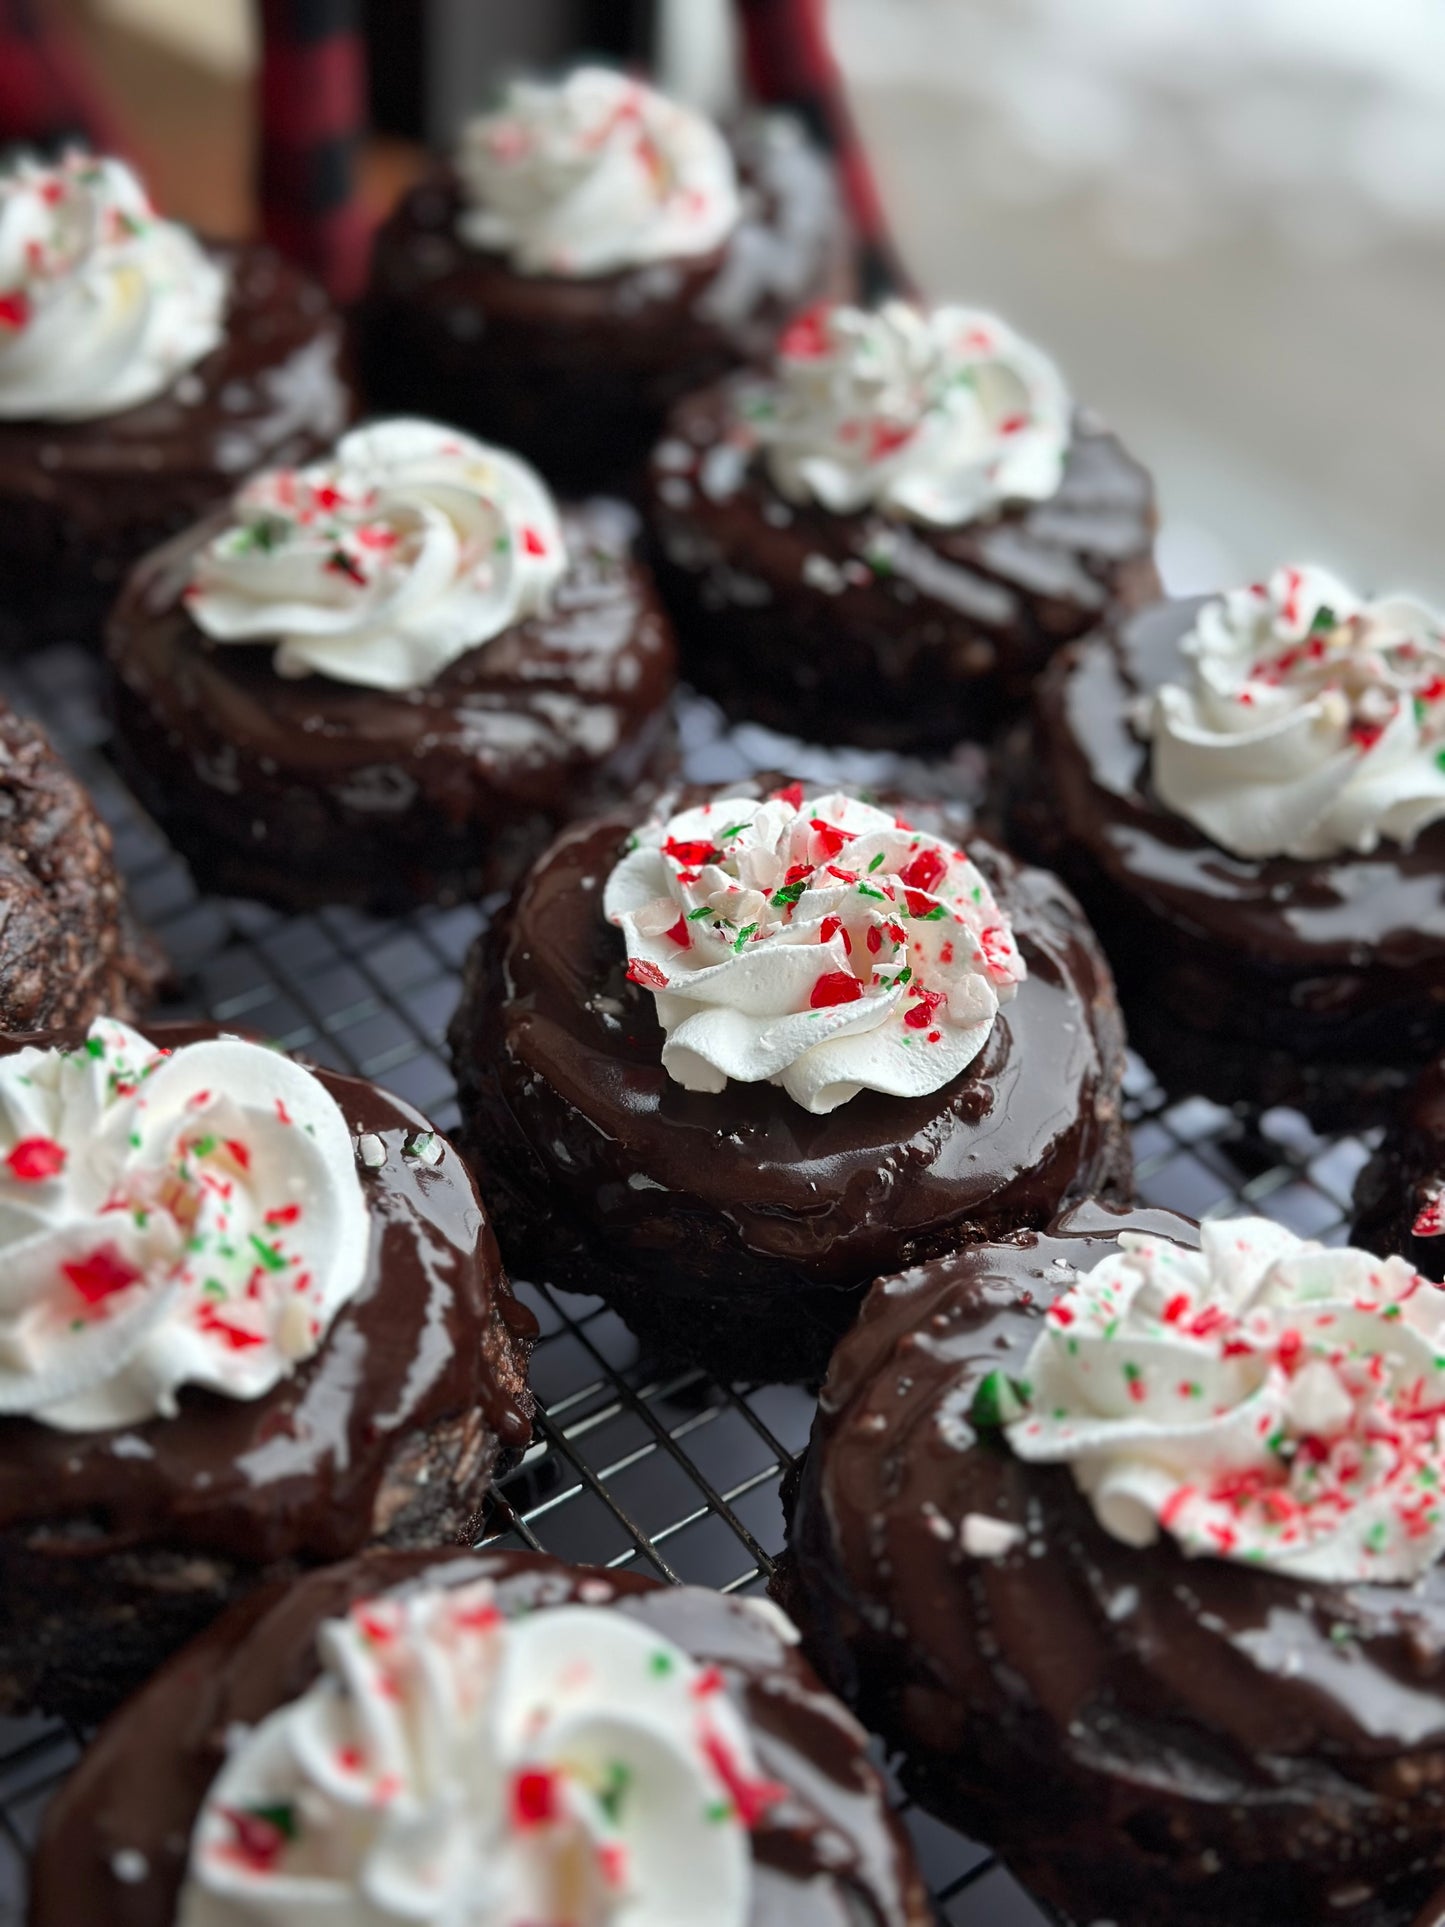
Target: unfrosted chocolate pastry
(1132, 1552)
(1246, 795)
(592, 253)
(724, 1066)
(68, 948)
(141, 376)
(573, 1745)
(1400, 1194)
(387, 678)
(254, 1319)
(885, 540)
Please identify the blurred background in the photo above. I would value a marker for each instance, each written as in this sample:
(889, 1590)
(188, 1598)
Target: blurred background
(1226, 218)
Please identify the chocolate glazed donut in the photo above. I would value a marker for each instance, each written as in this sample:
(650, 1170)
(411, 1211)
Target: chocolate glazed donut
(577, 374)
(306, 790)
(83, 500)
(116, 1546)
(737, 1227)
(859, 629)
(1144, 1737)
(830, 1855)
(1271, 981)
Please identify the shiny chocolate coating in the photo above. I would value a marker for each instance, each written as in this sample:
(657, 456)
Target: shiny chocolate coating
(307, 790)
(828, 1855)
(783, 618)
(81, 501)
(1145, 1737)
(738, 1227)
(433, 1347)
(577, 374)
(1406, 1173)
(1267, 980)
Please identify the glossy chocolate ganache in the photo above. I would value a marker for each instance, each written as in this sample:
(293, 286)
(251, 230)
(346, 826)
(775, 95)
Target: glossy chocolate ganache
(1279, 979)
(824, 1850)
(118, 1541)
(736, 1224)
(305, 788)
(83, 499)
(1144, 1735)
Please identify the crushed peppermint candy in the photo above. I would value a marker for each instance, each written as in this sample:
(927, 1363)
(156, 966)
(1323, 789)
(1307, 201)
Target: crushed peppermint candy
(371, 1150)
(187, 1217)
(567, 1764)
(1264, 1399)
(818, 943)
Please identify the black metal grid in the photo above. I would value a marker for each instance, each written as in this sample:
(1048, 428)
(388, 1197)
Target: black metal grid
(668, 1472)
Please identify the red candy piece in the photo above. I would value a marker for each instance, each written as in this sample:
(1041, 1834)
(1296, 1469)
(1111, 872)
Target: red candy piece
(920, 1015)
(690, 853)
(532, 542)
(806, 336)
(835, 987)
(792, 794)
(640, 971)
(101, 1273)
(925, 872)
(534, 1799)
(14, 310)
(35, 1159)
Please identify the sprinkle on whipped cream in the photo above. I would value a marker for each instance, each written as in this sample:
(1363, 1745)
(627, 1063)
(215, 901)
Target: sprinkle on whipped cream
(167, 1219)
(1264, 1399)
(413, 544)
(594, 174)
(936, 415)
(1312, 724)
(813, 942)
(102, 303)
(451, 1765)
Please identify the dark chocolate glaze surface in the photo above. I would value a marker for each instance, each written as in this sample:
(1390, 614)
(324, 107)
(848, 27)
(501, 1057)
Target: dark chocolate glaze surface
(309, 790)
(1407, 1173)
(1308, 978)
(434, 1331)
(68, 950)
(82, 500)
(830, 1855)
(742, 1204)
(1145, 1737)
(577, 374)
(861, 628)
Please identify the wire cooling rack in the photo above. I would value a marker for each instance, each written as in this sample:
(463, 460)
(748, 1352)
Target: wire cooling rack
(663, 1471)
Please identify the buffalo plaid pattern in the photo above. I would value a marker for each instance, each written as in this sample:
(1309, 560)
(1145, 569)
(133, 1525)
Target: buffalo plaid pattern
(312, 100)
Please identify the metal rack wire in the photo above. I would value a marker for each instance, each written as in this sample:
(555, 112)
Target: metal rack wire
(667, 1472)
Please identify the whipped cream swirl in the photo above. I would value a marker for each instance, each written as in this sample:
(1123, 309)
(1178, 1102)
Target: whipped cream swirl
(1313, 723)
(102, 303)
(166, 1219)
(1263, 1399)
(817, 943)
(412, 545)
(452, 1768)
(939, 415)
(593, 174)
